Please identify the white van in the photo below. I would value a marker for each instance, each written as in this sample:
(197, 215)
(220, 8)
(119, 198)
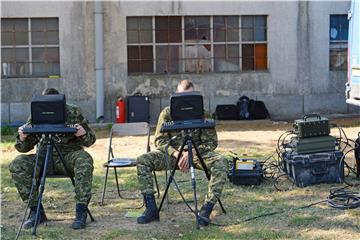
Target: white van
(353, 84)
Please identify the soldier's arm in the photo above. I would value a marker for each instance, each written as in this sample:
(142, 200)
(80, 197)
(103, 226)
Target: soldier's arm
(89, 137)
(26, 145)
(162, 139)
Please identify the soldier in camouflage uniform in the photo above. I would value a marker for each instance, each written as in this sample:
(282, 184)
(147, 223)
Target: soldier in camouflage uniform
(205, 140)
(77, 161)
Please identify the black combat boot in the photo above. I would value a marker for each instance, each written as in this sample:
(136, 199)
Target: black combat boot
(30, 222)
(151, 212)
(81, 215)
(204, 213)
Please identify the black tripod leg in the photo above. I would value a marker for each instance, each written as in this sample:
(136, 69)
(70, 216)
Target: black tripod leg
(48, 157)
(67, 171)
(193, 181)
(172, 175)
(206, 170)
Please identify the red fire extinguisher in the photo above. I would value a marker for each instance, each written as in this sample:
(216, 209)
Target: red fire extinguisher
(120, 110)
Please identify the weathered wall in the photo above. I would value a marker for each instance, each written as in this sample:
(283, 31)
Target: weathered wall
(298, 79)
(76, 59)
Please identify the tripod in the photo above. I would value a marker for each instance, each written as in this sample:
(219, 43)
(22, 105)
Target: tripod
(48, 138)
(188, 141)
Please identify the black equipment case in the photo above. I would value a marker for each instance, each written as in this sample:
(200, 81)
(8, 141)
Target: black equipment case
(226, 112)
(310, 169)
(138, 108)
(246, 172)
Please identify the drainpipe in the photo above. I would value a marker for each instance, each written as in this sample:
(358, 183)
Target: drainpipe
(99, 60)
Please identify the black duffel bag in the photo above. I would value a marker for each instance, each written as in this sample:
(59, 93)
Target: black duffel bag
(226, 112)
(257, 110)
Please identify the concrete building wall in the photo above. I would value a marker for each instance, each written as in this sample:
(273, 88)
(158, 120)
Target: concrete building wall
(297, 81)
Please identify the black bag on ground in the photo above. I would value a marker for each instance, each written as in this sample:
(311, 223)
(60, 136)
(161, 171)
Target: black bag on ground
(226, 112)
(243, 107)
(258, 110)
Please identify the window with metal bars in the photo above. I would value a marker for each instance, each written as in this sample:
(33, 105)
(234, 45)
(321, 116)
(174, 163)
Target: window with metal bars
(196, 44)
(29, 47)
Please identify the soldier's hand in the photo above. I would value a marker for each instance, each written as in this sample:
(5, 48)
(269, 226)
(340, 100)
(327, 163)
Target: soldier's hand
(80, 130)
(22, 135)
(184, 162)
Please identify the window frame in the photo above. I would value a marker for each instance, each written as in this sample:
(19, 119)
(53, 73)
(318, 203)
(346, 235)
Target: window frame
(30, 47)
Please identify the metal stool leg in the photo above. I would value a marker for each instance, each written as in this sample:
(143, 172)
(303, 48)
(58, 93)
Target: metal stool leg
(117, 183)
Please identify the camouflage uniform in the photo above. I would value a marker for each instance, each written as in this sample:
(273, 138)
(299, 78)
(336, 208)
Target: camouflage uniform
(205, 140)
(78, 161)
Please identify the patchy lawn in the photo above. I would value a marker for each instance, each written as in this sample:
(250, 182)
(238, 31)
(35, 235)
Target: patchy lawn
(256, 139)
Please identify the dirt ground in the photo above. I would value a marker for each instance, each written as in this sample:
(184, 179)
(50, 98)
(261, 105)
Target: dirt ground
(242, 137)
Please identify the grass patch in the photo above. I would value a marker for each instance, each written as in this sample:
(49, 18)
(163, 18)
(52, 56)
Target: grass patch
(7, 130)
(302, 221)
(116, 234)
(208, 233)
(264, 234)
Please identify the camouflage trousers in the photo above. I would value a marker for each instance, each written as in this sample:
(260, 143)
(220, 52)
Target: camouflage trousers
(156, 161)
(79, 163)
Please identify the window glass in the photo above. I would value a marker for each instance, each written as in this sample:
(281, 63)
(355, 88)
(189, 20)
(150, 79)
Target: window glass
(168, 29)
(133, 36)
(39, 68)
(44, 31)
(247, 34)
(253, 28)
(145, 36)
(7, 38)
(260, 57)
(167, 59)
(226, 58)
(198, 58)
(247, 22)
(16, 47)
(140, 59)
(8, 55)
(226, 29)
(146, 23)
(338, 57)
(338, 27)
(139, 30)
(21, 55)
(247, 57)
(197, 28)
(338, 35)
(133, 52)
